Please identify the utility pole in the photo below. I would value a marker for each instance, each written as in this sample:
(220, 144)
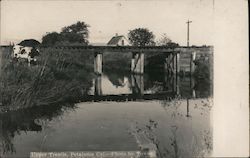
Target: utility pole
(188, 32)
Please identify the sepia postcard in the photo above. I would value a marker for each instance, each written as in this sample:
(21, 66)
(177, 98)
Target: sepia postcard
(124, 78)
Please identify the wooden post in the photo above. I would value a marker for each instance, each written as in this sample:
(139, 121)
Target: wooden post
(167, 82)
(140, 81)
(193, 93)
(169, 65)
(98, 85)
(137, 83)
(187, 108)
(177, 85)
(174, 83)
(174, 63)
(192, 65)
(166, 65)
(95, 63)
(98, 63)
(192, 84)
(142, 63)
(132, 62)
(177, 63)
(137, 63)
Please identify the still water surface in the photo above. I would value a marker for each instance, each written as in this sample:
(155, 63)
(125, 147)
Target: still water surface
(182, 124)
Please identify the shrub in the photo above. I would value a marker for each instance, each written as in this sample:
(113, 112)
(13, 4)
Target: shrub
(60, 76)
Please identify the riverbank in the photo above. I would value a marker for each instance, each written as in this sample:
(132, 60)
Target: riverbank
(58, 77)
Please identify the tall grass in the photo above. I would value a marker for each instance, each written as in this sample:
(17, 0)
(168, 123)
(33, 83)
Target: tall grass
(59, 76)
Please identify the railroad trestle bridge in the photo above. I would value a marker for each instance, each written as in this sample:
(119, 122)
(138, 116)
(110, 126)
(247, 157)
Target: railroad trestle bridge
(171, 66)
(171, 55)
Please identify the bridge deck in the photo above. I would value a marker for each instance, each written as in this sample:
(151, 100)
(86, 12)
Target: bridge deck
(101, 49)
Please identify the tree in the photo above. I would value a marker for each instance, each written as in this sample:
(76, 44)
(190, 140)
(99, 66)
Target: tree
(77, 32)
(52, 38)
(141, 37)
(173, 45)
(74, 34)
(166, 41)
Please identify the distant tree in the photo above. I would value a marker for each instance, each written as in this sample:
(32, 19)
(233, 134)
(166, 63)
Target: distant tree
(141, 37)
(77, 32)
(51, 39)
(173, 45)
(166, 41)
(74, 34)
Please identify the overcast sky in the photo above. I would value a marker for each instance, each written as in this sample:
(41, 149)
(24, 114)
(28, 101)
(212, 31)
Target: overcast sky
(32, 19)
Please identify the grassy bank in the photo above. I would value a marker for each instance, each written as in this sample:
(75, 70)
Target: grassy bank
(60, 76)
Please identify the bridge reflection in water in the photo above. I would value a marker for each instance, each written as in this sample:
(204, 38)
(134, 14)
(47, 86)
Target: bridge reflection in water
(134, 88)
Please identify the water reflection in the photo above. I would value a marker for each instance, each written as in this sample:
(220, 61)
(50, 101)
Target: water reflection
(27, 120)
(180, 106)
(138, 85)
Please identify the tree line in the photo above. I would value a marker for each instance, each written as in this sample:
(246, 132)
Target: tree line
(78, 33)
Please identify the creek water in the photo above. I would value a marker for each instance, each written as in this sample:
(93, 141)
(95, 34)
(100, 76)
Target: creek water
(182, 125)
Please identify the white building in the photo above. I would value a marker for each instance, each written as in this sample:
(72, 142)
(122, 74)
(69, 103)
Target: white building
(118, 41)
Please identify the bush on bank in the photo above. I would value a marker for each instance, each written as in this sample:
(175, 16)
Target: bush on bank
(59, 76)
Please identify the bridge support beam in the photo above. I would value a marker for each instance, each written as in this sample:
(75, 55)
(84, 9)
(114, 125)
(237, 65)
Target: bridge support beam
(192, 65)
(98, 63)
(177, 84)
(137, 83)
(137, 63)
(172, 63)
(98, 85)
(192, 86)
(177, 63)
(172, 84)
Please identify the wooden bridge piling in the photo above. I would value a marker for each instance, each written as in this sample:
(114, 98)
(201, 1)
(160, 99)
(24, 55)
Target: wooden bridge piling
(192, 87)
(192, 64)
(137, 63)
(172, 63)
(137, 83)
(168, 66)
(98, 63)
(177, 85)
(177, 63)
(132, 62)
(98, 85)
